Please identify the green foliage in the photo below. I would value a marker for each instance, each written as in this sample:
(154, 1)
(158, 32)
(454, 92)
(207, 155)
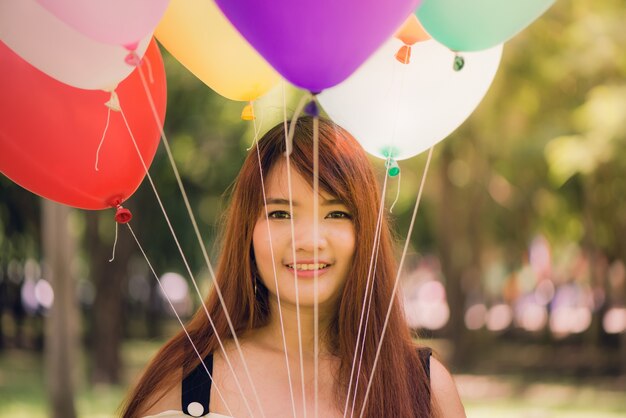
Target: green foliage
(546, 146)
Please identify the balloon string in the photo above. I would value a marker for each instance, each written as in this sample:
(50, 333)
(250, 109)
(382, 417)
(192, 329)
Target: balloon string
(397, 193)
(369, 295)
(294, 120)
(269, 233)
(285, 123)
(316, 314)
(392, 137)
(367, 318)
(256, 132)
(398, 100)
(194, 223)
(397, 280)
(149, 65)
(184, 258)
(390, 156)
(114, 244)
(288, 145)
(259, 126)
(106, 127)
(368, 282)
(213, 383)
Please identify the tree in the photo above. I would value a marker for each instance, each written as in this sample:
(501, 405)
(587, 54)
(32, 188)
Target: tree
(61, 343)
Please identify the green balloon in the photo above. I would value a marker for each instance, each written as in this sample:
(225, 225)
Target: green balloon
(474, 25)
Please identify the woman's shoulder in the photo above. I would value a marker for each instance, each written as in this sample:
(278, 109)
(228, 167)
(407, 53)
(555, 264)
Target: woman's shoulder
(444, 390)
(167, 401)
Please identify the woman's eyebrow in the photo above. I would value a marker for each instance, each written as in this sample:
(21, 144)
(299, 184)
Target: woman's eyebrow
(331, 202)
(281, 201)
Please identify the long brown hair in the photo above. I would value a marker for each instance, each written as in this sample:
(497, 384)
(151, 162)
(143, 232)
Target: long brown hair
(400, 385)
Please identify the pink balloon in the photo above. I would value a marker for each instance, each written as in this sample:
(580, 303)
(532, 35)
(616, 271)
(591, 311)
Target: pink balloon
(61, 52)
(118, 22)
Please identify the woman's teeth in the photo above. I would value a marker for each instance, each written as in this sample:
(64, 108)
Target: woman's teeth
(305, 267)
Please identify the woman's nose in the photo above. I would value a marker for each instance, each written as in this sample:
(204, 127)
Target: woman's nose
(307, 238)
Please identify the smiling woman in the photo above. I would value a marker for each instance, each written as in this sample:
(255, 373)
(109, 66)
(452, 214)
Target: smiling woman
(283, 328)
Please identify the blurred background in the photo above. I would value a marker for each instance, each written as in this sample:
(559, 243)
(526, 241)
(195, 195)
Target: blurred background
(516, 273)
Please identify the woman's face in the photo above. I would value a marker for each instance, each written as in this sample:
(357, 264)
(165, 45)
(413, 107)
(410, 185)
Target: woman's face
(335, 242)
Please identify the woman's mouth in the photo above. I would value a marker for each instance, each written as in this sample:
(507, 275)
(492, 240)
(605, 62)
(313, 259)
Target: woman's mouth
(309, 269)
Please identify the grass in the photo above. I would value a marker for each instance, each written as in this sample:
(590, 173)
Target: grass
(517, 397)
(22, 392)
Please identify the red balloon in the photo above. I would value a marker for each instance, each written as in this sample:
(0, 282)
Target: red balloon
(50, 132)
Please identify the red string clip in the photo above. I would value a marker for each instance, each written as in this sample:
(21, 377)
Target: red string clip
(123, 215)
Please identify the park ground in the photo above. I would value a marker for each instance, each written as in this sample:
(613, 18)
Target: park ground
(22, 391)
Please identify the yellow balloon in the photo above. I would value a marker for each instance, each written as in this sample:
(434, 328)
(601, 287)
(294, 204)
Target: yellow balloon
(198, 35)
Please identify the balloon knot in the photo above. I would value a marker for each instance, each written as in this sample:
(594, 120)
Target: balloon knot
(393, 169)
(132, 59)
(114, 102)
(459, 63)
(248, 113)
(123, 215)
(404, 54)
(132, 46)
(312, 109)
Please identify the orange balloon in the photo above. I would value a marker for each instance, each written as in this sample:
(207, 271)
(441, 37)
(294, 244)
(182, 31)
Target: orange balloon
(412, 31)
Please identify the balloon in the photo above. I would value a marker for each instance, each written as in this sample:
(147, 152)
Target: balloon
(411, 31)
(316, 44)
(475, 25)
(50, 133)
(399, 110)
(198, 35)
(59, 51)
(117, 22)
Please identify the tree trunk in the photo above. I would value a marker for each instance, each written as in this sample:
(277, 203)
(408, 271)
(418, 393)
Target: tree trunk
(109, 279)
(61, 342)
(451, 245)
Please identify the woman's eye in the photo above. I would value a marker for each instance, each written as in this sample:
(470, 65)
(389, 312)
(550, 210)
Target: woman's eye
(339, 214)
(278, 214)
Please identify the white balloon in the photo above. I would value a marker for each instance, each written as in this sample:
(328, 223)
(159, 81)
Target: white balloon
(60, 51)
(404, 109)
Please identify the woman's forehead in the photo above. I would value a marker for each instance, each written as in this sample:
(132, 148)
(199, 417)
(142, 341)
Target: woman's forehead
(277, 185)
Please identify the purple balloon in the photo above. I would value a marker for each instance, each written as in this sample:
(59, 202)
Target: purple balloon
(316, 44)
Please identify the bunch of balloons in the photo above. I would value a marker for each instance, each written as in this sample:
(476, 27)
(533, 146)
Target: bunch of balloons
(84, 89)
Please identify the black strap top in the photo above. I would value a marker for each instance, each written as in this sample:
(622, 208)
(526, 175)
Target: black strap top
(196, 388)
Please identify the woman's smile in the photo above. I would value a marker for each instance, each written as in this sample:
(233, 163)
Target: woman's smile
(309, 268)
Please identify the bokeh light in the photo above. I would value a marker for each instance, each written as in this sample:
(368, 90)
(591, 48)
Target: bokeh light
(29, 300)
(565, 320)
(499, 317)
(175, 289)
(425, 301)
(544, 292)
(476, 316)
(174, 286)
(44, 294)
(531, 315)
(614, 321)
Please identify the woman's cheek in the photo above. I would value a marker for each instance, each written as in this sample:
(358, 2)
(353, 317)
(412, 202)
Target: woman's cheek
(344, 236)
